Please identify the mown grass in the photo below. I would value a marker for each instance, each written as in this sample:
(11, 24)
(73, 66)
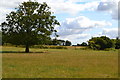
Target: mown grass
(59, 63)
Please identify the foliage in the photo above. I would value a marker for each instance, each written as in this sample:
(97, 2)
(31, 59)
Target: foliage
(117, 44)
(77, 45)
(67, 43)
(55, 42)
(83, 44)
(100, 43)
(0, 38)
(31, 24)
(110, 49)
(58, 47)
(61, 42)
(48, 47)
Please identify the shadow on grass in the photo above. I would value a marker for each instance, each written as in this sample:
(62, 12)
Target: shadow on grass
(19, 52)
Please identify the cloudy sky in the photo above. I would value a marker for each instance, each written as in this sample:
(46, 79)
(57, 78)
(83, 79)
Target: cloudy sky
(80, 19)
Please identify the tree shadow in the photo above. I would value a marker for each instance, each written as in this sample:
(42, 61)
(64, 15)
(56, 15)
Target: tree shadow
(20, 52)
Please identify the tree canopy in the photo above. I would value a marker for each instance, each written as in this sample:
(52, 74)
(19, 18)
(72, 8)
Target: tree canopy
(117, 44)
(68, 43)
(100, 43)
(32, 23)
(83, 44)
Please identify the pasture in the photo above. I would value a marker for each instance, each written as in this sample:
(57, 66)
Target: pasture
(58, 63)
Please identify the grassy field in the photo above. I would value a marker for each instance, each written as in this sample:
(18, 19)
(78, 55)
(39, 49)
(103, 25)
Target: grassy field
(59, 63)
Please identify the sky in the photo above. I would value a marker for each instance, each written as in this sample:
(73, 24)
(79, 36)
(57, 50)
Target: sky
(80, 19)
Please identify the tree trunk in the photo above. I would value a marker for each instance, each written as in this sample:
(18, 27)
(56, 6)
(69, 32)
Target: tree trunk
(27, 49)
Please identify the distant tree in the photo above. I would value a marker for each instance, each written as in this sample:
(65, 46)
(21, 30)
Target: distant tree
(78, 44)
(1, 38)
(83, 44)
(32, 23)
(68, 43)
(117, 44)
(100, 43)
(61, 42)
(55, 42)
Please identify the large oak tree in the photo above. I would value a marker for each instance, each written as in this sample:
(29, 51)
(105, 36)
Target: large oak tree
(32, 23)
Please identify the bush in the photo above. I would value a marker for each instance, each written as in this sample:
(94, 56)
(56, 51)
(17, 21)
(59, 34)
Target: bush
(39, 46)
(48, 47)
(100, 43)
(58, 47)
(109, 49)
(84, 48)
(83, 44)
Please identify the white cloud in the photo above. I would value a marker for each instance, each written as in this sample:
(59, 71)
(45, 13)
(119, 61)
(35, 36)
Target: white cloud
(106, 6)
(71, 7)
(110, 6)
(79, 25)
(82, 0)
(8, 4)
(66, 6)
(3, 12)
(58, 6)
(112, 32)
(76, 38)
(74, 28)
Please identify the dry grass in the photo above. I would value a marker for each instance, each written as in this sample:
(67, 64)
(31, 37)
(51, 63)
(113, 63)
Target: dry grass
(57, 63)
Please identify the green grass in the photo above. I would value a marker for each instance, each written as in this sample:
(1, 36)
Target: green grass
(59, 63)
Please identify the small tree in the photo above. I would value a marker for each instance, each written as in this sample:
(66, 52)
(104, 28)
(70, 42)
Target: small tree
(83, 44)
(68, 43)
(78, 44)
(31, 24)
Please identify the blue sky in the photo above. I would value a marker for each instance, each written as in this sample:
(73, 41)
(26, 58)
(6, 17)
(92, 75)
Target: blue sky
(80, 19)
